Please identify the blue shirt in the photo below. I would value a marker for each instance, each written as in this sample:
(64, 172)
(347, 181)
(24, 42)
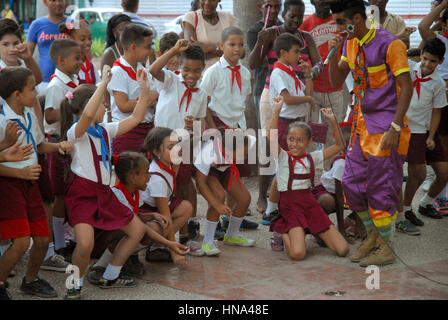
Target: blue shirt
(43, 32)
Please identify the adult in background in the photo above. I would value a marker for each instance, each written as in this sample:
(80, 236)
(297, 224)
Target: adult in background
(130, 8)
(205, 26)
(260, 74)
(114, 49)
(7, 13)
(43, 31)
(322, 28)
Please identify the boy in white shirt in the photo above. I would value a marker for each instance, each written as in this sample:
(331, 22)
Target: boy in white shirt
(124, 89)
(22, 214)
(66, 55)
(424, 115)
(227, 83)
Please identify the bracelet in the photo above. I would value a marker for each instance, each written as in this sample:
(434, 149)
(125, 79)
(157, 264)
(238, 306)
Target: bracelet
(395, 126)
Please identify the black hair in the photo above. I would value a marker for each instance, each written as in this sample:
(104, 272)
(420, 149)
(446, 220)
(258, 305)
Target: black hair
(67, 29)
(235, 135)
(154, 140)
(62, 48)
(194, 52)
(285, 41)
(302, 125)
(231, 31)
(128, 162)
(413, 52)
(444, 16)
(13, 79)
(72, 108)
(349, 8)
(114, 22)
(168, 41)
(289, 3)
(8, 26)
(134, 33)
(194, 5)
(129, 5)
(436, 47)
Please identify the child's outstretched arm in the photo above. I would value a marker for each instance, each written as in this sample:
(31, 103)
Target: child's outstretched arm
(278, 104)
(144, 101)
(157, 66)
(88, 115)
(17, 153)
(336, 148)
(424, 27)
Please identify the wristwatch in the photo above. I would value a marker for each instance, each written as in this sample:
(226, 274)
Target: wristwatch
(395, 126)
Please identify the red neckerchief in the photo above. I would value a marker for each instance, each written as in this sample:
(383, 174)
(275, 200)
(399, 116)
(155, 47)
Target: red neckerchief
(297, 159)
(86, 69)
(189, 94)
(177, 72)
(236, 74)
(129, 70)
(233, 170)
(71, 84)
(445, 34)
(418, 81)
(169, 170)
(292, 73)
(133, 202)
(344, 154)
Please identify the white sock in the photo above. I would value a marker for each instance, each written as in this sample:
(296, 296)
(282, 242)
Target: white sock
(4, 248)
(272, 206)
(59, 233)
(400, 216)
(80, 282)
(426, 200)
(112, 272)
(234, 226)
(104, 259)
(443, 193)
(407, 208)
(50, 251)
(210, 228)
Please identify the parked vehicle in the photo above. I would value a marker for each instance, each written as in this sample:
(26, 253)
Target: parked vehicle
(174, 25)
(97, 18)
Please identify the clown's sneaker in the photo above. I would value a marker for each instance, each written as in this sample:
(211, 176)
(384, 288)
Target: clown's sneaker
(238, 241)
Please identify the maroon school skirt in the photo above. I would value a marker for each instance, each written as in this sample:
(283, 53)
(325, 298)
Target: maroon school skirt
(318, 190)
(299, 208)
(44, 181)
(133, 140)
(95, 204)
(184, 174)
(21, 209)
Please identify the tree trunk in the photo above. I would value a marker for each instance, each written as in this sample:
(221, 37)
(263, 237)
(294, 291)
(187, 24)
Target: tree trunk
(247, 13)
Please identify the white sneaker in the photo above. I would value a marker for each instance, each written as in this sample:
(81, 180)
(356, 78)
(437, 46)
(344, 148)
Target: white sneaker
(208, 249)
(55, 263)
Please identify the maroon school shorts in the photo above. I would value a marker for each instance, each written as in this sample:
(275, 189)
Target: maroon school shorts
(184, 174)
(443, 125)
(419, 154)
(44, 181)
(22, 212)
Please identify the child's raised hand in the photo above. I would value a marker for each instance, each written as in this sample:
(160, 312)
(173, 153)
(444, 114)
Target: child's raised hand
(328, 113)
(19, 153)
(23, 51)
(65, 147)
(305, 67)
(142, 79)
(278, 103)
(182, 45)
(107, 74)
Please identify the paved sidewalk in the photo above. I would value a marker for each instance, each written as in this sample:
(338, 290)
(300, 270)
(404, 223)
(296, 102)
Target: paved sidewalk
(259, 273)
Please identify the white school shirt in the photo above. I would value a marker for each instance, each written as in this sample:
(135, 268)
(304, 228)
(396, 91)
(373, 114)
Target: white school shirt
(56, 91)
(9, 114)
(283, 170)
(227, 102)
(443, 67)
(208, 158)
(122, 82)
(82, 158)
(335, 173)
(167, 109)
(82, 74)
(157, 186)
(432, 96)
(280, 81)
(3, 66)
(122, 198)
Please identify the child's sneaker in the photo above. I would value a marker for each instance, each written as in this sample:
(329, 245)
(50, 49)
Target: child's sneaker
(121, 282)
(4, 295)
(407, 227)
(73, 294)
(413, 218)
(441, 206)
(219, 232)
(277, 242)
(133, 267)
(208, 249)
(268, 217)
(38, 287)
(238, 241)
(95, 274)
(55, 263)
(429, 211)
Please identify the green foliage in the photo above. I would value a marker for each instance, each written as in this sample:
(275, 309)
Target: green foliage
(98, 47)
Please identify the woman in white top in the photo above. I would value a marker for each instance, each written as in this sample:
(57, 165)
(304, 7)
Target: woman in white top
(204, 27)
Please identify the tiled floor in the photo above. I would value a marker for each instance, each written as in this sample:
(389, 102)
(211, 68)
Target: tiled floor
(257, 273)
